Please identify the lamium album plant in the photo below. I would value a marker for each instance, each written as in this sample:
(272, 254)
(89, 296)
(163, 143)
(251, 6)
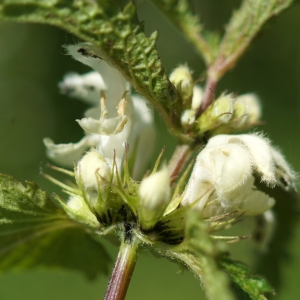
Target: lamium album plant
(221, 174)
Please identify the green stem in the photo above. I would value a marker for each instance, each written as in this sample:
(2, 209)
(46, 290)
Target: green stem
(123, 269)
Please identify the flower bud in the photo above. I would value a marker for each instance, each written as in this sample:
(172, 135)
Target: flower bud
(182, 79)
(246, 113)
(197, 97)
(239, 116)
(155, 196)
(188, 117)
(219, 112)
(77, 209)
(93, 174)
(252, 108)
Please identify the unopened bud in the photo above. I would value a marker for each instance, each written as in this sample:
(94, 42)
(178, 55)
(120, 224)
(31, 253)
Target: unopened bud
(252, 108)
(93, 174)
(77, 209)
(154, 194)
(188, 117)
(182, 79)
(219, 112)
(246, 113)
(240, 115)
(197, 97)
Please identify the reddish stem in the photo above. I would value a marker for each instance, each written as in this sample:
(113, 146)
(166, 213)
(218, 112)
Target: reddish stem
(123, 269)
(178, 161)
(209, 94)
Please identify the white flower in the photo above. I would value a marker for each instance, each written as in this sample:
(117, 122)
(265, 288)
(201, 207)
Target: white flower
(115, 118)
(222, 179)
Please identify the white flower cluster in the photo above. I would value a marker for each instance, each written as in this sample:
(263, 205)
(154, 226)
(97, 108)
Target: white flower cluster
(223, 177)
(116, 117)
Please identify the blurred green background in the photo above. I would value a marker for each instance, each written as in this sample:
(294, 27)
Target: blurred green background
(32, 62)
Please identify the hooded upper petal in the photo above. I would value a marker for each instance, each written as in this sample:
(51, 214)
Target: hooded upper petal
(115, 84)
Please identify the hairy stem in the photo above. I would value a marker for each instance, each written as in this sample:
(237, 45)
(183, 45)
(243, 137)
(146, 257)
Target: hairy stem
(209, 94)
(123, 269)
(179, 159)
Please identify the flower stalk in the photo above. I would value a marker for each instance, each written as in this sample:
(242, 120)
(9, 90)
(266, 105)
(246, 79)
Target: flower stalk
(123, 269)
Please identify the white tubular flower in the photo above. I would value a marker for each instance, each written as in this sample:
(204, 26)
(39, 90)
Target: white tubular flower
(154, 192)
(222, 179)
(116, 119)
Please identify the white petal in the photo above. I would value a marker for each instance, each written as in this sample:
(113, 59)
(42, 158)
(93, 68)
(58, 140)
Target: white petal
(113, 145)
(218, 169)
(260, 150)
(232, 167)
(67, 154)
(285, 175)
(199, 187)
(103, 127)
(256, 203)
(142, 136)
(85, 87)
(115, 83)
(94, 112)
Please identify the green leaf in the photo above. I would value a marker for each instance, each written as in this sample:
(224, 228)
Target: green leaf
(120, 38)
(201, 254)
(244, 25)
(255, 286)
(180, 13)
(36, 233)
